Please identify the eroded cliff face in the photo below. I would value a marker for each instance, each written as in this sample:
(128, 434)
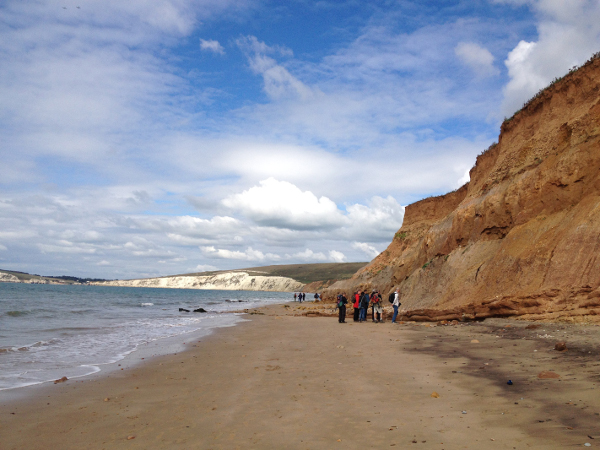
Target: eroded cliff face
(231, 281)
(8, 278)
(523, 237)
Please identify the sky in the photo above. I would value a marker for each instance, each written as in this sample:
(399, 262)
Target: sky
(158, 137)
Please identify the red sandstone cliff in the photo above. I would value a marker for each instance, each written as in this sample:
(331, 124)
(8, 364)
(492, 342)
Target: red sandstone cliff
(523, 237)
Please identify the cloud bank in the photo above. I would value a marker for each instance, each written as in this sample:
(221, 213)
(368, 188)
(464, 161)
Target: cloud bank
(568, 34)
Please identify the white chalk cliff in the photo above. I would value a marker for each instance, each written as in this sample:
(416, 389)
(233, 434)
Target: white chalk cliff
(228, 281)
(8, 278)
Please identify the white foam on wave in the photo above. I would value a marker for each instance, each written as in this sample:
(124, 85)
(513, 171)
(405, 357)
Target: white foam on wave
(112, 327)
(81, 355)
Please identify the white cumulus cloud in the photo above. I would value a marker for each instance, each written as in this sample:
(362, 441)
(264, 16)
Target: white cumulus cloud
(478, 58)
(369, 250)
(568, 34)
(204, 268)
(282, 204)
(248, 255)
(212, 46)
(309, 255)
(336, 256)
(378, 220)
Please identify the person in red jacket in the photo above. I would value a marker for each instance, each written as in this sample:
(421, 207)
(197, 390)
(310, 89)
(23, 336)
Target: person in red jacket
(356, 305)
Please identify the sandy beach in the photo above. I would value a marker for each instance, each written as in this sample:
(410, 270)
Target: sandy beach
(281, 380)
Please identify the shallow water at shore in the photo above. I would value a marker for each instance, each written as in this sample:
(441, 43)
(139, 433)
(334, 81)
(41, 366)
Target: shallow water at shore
(51, 331)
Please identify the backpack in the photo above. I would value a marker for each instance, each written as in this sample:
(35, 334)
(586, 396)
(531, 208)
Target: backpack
(391, 297)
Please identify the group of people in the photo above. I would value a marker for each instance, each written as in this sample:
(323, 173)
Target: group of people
(362, 300)
(301, 297)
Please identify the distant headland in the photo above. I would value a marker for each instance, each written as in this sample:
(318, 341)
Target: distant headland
(283, 278)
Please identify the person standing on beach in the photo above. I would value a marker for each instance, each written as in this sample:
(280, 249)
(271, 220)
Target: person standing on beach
(377, 308)
(373, 306)
(396, 304)
(356, 305)
(364, 305)
(295, 296)
(342, 301)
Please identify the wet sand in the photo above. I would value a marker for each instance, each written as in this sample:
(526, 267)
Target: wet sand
(287, 381)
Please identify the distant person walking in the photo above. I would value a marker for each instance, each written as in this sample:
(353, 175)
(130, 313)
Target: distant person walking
(316, 296)
(356, 305)
(396, 303)
(295, 296)
(342, 301)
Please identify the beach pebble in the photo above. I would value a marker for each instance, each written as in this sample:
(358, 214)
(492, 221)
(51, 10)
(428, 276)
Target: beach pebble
(474, 341)
(106, 399)
(587, 444)
(61, 380)
(435, 395)
(464, 412)
(130, 438)
(560, 346)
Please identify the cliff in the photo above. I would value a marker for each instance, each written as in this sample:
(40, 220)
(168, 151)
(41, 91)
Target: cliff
(522, 238)
(19, 277)
(8, 278)
(231, 281)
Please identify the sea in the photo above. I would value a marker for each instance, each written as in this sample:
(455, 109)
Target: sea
(51, 331)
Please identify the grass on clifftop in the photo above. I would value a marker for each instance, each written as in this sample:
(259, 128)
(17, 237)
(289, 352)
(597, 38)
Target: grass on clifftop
(64, 279)
(304, 273)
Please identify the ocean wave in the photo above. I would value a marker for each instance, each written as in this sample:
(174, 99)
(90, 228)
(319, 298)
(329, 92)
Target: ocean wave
(26, 348)
(17, 313)
(97, 326)
(83, 311)
(64, 330)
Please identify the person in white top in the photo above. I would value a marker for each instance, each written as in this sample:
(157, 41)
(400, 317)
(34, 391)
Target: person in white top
(396, 304)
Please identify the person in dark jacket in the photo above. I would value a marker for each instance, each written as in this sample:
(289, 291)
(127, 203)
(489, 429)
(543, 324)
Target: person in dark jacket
(364, 305)
(342, 301)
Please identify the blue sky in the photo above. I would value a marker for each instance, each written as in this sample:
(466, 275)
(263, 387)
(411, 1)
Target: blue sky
(150, 138)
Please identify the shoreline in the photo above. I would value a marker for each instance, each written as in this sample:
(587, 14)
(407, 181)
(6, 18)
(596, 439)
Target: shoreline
(280, 380)
(89, 328)
(143, 352)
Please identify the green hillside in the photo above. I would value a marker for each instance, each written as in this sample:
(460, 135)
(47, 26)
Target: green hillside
(304, 273)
